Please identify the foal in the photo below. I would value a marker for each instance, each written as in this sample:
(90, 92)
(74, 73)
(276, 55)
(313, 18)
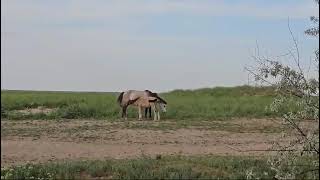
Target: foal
(157, 106)
(160, 100)
(151, 102)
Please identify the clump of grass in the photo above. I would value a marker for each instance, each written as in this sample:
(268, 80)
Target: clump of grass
(4, 113)
(207, 104)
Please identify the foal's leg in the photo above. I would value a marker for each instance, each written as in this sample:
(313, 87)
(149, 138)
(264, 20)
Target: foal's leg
(154, 112)
(158, 115)
(158, 111)
(140, 114)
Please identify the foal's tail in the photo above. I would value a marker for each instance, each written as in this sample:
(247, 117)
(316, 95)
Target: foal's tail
(119, 100)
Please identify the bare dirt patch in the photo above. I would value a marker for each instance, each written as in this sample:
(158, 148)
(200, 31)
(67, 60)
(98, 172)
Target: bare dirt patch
(42, 141)
(37, 110)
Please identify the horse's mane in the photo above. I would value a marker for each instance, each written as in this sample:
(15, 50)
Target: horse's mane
(151, 94)
(162, 100)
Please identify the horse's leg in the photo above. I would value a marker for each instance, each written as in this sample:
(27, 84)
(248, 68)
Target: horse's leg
(140, 114)
(158, 111)
(149, 112)
(148, 109)
(124, 112)
(146, 112)
(158, 115)
(154, 112)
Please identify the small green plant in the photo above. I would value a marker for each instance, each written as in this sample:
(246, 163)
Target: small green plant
(27, 171)
(4, 113)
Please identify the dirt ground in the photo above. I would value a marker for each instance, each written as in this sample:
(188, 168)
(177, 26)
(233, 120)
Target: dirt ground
(42, 141)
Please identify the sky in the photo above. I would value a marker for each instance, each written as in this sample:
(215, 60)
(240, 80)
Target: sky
(160, 45)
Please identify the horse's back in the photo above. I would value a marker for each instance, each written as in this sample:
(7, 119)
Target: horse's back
(144, 101)
(134, 94)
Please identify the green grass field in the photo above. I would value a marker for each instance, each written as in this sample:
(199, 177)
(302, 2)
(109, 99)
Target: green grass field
(205, 104)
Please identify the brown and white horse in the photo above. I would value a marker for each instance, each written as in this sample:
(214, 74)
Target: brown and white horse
(142, 99)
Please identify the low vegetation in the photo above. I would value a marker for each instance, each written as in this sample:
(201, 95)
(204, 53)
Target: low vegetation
(167, 167)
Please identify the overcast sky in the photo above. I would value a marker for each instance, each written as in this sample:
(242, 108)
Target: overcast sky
(161, 45)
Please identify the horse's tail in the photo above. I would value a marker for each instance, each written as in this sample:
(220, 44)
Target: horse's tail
(119, 100)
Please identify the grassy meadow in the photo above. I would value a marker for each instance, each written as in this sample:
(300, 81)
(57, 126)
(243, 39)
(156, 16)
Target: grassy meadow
(205, 104)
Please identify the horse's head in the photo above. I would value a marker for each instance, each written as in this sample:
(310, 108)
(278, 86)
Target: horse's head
(160, 103)
(163, 107)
